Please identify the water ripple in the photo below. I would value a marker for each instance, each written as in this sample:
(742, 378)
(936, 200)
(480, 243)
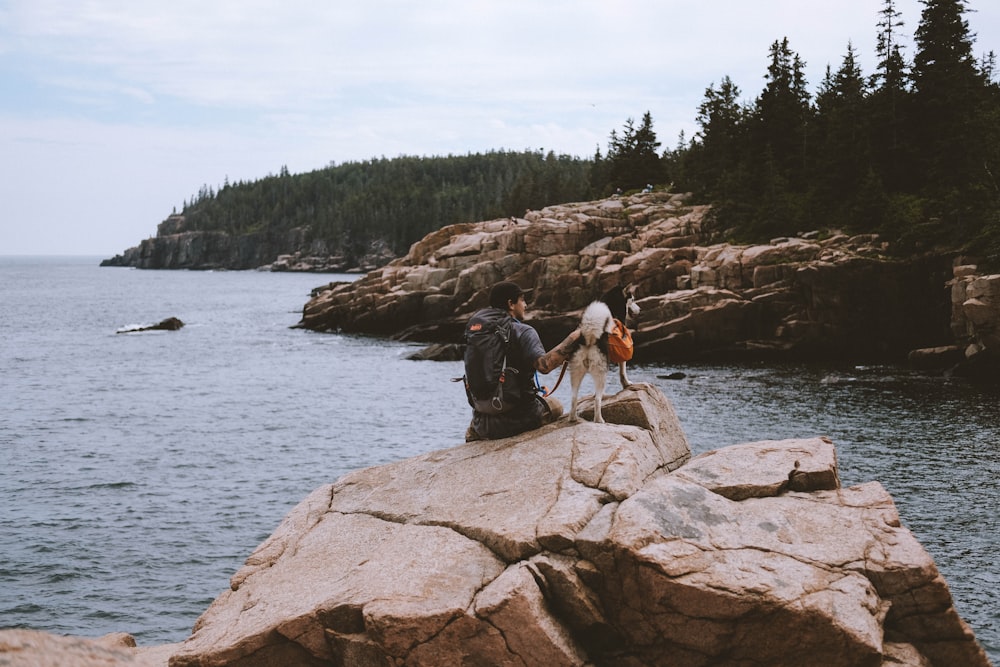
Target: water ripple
(138, 472)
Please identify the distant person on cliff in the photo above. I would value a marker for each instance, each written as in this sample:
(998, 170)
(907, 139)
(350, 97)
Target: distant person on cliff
(502, 355)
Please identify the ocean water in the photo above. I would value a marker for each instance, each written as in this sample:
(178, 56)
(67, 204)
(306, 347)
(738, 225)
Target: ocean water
(139, 470)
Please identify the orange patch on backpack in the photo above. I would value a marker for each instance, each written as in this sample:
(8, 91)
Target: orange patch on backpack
(619, 344)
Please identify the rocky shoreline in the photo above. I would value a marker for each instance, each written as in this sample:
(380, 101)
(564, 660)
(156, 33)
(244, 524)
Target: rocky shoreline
(608, 544)
(176, 246)
(814, 296)
(575, 545)
(807, 297)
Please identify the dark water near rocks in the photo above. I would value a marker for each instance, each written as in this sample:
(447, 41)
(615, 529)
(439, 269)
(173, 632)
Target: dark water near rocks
(137, 471)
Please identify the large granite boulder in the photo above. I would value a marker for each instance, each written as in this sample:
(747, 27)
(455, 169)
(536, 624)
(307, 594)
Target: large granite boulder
(32, 648)
(976, 320)
(590, 544)
(975, 327)
(805, 297)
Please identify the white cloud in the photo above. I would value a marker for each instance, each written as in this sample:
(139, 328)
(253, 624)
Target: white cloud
(148, 100)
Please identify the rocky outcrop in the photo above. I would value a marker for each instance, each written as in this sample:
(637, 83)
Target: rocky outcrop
(975, 301)
(439, 352)
(176, 246)
(591, 544)
(587, 544)
(804, 296)
(975, 325)
(31, 648)
(169, 324)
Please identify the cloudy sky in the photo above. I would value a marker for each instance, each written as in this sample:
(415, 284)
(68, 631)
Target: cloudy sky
(113, 112)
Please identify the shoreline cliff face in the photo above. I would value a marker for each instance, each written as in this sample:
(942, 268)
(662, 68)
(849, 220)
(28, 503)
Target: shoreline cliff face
(795, 298)
(177, 247)
(808, 297)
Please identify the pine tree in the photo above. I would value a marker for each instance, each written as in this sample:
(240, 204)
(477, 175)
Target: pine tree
(634, 156)
(947, 90)
(887, 103)
(722, 121)
(891, 70)
(776, 172)
(843, 157)
(647, 152)
(600, 174)
(782, 113)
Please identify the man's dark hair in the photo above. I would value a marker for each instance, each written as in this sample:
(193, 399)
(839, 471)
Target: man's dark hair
(504, 292)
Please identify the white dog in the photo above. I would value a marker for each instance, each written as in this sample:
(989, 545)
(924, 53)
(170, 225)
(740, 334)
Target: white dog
(591, 356)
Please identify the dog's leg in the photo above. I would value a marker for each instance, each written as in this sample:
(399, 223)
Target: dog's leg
(576, 378)
(599, 375)
(623, 376)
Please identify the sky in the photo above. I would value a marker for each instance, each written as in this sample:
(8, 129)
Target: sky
(114, 112)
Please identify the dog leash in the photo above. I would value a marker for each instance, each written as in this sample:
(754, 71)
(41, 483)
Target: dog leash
(561, 374)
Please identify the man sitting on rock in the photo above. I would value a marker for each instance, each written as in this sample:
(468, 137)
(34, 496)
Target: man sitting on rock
(525, 355)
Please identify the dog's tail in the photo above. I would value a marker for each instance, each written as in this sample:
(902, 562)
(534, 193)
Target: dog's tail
(597, 322)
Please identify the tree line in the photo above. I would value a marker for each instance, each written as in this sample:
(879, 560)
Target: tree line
(910, 151)
(355, 205)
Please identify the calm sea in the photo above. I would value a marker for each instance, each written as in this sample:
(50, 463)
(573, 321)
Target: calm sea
(137, 471)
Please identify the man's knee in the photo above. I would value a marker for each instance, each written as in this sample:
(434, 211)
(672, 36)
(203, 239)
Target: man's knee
(554, 409)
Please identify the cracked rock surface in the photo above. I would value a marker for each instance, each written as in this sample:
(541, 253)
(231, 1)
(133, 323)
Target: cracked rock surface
(590, 544)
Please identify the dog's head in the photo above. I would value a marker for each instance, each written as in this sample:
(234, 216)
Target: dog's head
(621, 302)
(632, 308)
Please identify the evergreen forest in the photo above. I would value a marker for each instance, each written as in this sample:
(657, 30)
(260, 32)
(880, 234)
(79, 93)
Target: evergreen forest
(357, 206)
(910, 151)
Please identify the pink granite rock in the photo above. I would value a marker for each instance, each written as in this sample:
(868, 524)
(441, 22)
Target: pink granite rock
(591, 544)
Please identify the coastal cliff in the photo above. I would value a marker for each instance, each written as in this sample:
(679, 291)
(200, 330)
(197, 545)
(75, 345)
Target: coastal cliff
(811, 296)
(579, 545)
(802, 297)
(175, 246)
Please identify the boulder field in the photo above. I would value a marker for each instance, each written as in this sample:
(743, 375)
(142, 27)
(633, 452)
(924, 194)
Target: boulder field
(585, 544)
(810, 296)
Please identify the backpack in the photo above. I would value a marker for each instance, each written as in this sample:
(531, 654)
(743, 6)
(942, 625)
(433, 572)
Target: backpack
(619, 344)
(491, 386)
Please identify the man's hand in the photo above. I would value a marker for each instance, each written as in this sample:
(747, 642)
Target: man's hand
(555, 357)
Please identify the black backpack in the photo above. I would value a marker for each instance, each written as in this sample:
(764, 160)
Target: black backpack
(491, 386)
